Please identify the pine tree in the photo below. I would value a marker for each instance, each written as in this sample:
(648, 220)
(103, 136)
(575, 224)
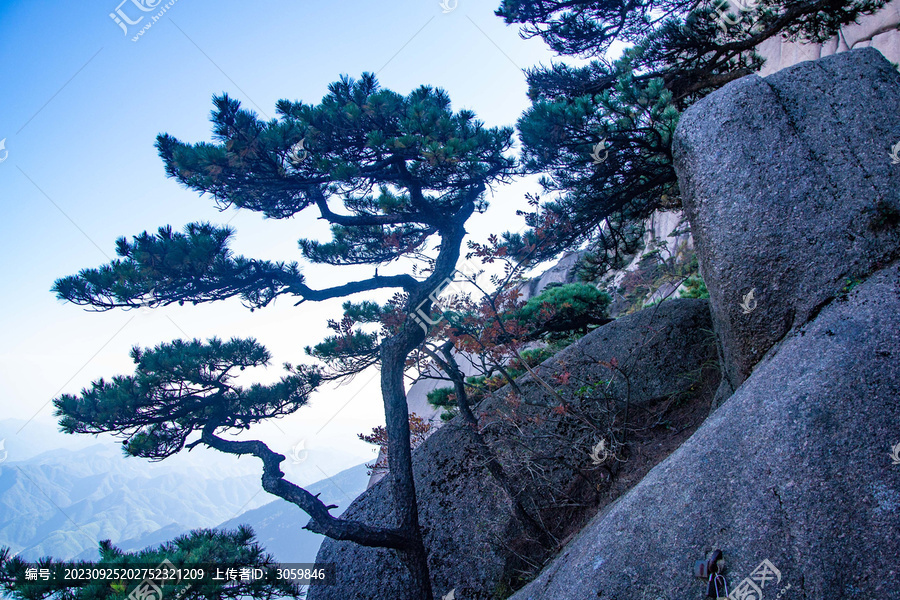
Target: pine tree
(602, 132)
(565, 308)
(408, 173)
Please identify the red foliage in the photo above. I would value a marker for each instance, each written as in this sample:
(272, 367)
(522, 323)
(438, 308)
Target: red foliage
(563, 378)
(419, 430)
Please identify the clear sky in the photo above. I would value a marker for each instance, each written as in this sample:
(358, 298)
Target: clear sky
(81, 106)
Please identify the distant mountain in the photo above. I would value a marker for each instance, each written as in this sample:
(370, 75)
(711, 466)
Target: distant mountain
(26, 439)
(61, 494)
(61, 503)
(278, 525)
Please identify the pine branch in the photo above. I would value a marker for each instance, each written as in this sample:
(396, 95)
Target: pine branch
(176, 389)
(168, 267)
(378, 282)
(322, 521)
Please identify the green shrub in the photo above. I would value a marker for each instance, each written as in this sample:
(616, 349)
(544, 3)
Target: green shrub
(694, 287)
(444, 399)
(441, 397)
(566, 308)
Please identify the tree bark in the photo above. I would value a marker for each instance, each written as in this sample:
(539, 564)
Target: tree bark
(273, 482)
(393, 357)
(394, 352)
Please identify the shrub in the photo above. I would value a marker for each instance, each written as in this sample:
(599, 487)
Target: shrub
(694, 287)
(566, 308)
(445, 399)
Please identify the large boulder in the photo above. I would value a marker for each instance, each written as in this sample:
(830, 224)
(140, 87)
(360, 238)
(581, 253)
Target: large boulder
(791, 193)
(467, 518)
(794, 469)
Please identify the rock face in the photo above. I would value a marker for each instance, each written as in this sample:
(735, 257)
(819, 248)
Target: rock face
(791, 194)
(790, 191)
(794, 469)
(562, 272)
(467, 519)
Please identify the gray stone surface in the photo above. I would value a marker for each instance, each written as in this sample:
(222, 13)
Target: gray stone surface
(794, 468)
(781, 179)
(467, 518)
(562, 272)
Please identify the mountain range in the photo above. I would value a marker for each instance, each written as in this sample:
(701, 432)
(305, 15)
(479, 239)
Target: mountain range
(61, 502)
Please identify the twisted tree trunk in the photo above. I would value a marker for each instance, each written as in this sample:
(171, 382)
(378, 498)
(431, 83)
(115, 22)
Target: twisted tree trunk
(394, 352)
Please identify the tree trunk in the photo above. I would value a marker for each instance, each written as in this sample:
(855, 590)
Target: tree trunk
(393, 359)
(394, 352)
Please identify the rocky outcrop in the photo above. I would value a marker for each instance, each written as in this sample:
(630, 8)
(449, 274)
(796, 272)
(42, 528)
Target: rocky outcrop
(793, 469)
(791, 194)
(468, 522)
(790, 191)
(564, 271)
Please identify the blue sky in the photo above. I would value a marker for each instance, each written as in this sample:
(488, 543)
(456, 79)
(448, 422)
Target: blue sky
(82, 105)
